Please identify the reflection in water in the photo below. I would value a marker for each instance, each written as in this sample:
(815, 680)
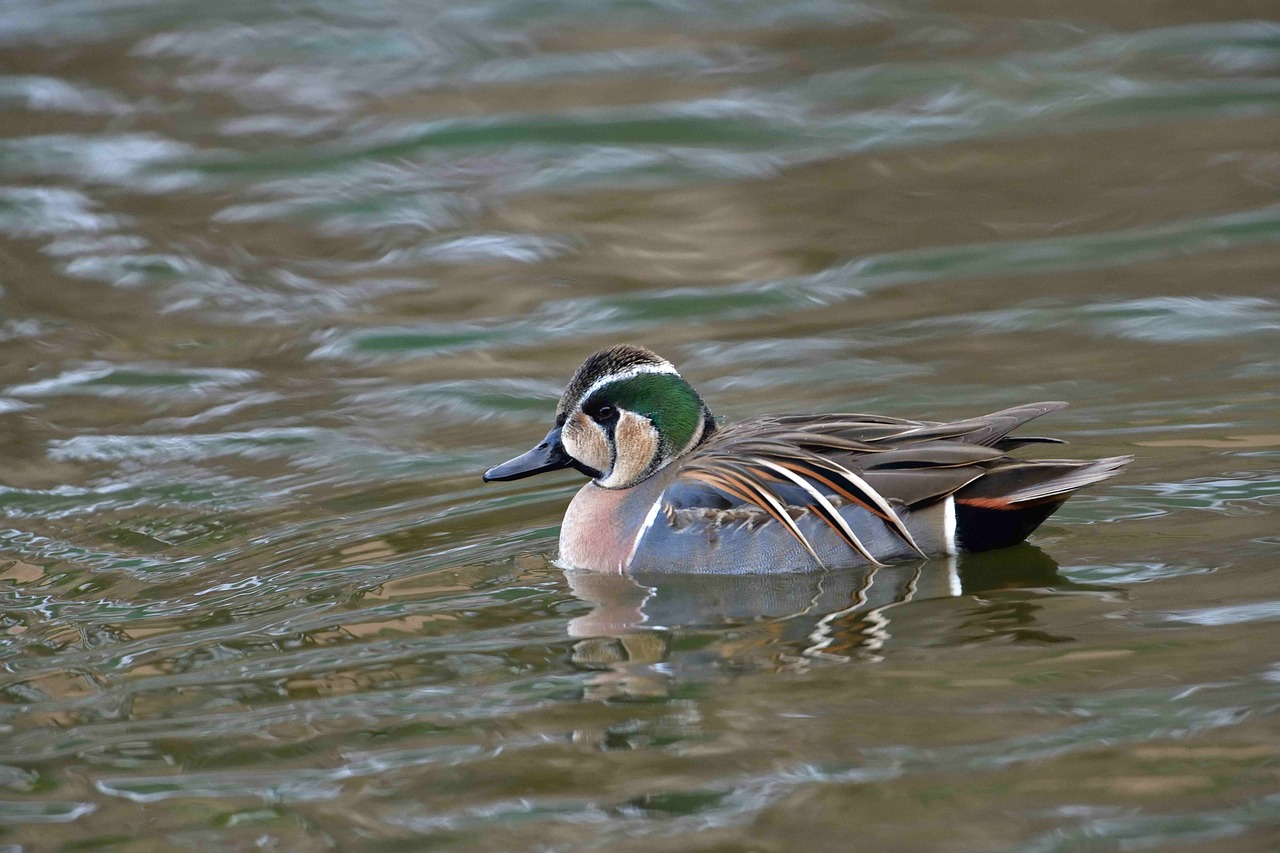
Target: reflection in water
(647, 629)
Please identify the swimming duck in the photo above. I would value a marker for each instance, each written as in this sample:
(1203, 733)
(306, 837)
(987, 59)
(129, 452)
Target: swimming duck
(673, 490)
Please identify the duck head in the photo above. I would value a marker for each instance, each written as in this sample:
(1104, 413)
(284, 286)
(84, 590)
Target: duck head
(626, 414)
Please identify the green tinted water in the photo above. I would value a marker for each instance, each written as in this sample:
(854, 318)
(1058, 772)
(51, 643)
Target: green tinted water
(278, 281)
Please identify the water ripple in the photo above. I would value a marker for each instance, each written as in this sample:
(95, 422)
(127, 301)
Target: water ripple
(41, 211)
(283, 278)
(135, 380)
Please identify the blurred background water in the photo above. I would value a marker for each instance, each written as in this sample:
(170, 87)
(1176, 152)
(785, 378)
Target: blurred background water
(278, 280)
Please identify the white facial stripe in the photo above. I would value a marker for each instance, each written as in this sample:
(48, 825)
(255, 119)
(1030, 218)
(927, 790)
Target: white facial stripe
(693, 442)
(664, 367)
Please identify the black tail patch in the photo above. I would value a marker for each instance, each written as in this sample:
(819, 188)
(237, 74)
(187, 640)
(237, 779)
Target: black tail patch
(981, 528)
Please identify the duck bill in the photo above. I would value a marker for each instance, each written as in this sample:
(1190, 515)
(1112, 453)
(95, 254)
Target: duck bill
(549, 455)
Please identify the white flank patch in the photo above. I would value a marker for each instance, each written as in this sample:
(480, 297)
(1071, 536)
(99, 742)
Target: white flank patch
(644, 528)
(664, 367)
(949, 525)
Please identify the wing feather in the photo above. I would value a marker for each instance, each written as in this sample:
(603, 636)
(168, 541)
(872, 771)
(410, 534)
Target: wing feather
(824, 508)
(744, 486)
(779, 464)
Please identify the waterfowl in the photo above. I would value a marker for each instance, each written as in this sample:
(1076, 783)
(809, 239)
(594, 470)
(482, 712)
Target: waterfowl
(673, 490)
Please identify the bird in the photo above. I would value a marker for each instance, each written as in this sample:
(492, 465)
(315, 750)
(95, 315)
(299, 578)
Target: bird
(674, 490)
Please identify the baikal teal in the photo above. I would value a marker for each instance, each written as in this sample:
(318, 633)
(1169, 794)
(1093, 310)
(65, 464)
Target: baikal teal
(672, 490)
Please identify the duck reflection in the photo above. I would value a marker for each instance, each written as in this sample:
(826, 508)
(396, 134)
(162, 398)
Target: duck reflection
(647, 629)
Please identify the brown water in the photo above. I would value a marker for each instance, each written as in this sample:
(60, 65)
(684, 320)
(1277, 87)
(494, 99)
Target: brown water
(280, 280)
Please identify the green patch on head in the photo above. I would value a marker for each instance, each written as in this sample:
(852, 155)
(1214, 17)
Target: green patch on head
(665, 398)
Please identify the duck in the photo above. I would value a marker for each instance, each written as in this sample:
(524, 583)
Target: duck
(672, 489)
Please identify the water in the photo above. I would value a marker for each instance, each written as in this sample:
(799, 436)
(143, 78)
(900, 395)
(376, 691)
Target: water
(280, 280)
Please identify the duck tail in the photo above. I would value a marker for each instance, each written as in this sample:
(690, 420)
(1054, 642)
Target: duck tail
(1003, 507)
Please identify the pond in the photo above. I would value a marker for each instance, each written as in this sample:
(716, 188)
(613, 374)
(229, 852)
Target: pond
(279, 281)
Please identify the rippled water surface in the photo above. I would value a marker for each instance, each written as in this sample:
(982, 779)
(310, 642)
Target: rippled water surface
(279, 280)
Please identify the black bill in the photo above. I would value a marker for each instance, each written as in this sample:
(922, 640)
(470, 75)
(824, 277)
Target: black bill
(549, 455)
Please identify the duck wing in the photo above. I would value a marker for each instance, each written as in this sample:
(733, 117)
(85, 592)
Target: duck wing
(789, 466)
(871, 430)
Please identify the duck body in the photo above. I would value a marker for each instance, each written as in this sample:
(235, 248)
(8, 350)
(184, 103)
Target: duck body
(674, 491)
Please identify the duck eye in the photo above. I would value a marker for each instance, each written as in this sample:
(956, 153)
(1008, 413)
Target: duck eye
(601, 413)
